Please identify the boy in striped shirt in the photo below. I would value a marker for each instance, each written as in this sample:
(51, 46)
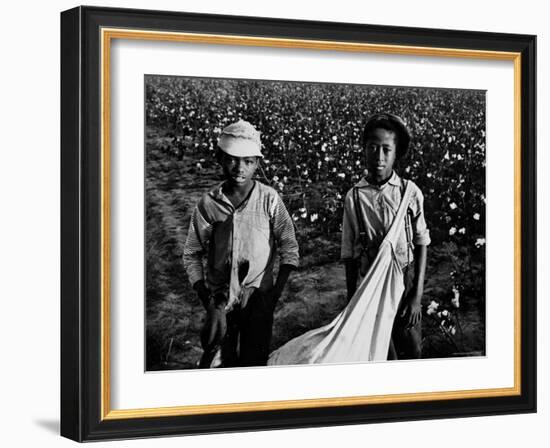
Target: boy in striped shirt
(238, 228)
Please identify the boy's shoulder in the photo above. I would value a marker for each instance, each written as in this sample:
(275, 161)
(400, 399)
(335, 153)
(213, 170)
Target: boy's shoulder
(362, 183)
(417, 192)
(266, 190)
(268, 198)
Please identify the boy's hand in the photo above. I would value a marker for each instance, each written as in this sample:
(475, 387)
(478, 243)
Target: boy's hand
(273, 295)
(412, 311)
(215, 326)
(203, 293)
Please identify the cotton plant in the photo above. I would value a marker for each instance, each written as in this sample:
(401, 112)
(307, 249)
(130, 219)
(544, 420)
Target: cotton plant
(443, 316)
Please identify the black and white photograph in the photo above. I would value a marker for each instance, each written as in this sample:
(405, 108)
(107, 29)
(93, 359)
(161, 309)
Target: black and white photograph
(296, 223)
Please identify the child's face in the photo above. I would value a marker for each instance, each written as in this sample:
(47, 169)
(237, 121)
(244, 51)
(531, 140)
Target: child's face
(381, 151)
(238, 171)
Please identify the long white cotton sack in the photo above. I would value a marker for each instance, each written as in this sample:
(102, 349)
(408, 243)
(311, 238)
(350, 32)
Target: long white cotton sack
(362, 331)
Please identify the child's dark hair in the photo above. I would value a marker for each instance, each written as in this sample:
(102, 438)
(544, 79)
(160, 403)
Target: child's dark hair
(389, 122)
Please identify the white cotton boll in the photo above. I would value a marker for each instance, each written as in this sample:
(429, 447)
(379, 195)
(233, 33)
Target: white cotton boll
(480, 242)
(456, 297)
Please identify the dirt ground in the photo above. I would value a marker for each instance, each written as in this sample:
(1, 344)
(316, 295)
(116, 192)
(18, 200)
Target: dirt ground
(314, 295)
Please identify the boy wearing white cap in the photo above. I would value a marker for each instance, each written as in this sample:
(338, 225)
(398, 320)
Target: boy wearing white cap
(238, 227)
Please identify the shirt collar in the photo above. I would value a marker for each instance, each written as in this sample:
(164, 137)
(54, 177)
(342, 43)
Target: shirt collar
(217, 194)
(394, 180)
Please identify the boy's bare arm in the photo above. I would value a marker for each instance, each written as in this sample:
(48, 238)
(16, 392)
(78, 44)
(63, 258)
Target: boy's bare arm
(203, 292)
(352, 272)
(282, 278)
(421, 255)
(412, 308)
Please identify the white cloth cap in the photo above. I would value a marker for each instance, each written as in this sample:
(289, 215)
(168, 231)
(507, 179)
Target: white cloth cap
(240, 139)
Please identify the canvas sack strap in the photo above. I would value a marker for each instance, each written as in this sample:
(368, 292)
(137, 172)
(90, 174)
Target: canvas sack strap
(400, 215)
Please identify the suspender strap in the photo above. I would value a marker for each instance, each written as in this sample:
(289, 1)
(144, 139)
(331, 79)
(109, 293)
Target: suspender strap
(360, 222)
(408, 224)
(408, 216)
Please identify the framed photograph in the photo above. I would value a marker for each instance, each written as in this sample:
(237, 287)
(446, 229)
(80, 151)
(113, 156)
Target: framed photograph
(273, 223)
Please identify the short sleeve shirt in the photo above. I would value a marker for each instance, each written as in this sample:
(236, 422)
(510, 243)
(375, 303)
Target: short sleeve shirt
(377, 206)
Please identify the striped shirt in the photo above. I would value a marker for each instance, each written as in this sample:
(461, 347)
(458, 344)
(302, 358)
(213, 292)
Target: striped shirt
(233, 249)
(378, 206)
